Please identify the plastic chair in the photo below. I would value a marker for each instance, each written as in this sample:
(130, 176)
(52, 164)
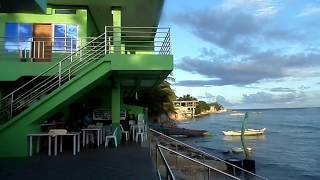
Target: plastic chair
(140, 118)
(140, 133)
(124, 132)
(113, 136)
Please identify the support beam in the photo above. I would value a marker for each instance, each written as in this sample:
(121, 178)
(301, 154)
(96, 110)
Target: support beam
(116, 22)
(115, 107)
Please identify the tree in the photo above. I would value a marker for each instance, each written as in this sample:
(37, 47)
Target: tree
(217, 106)
(187, 97)
(158, 100)
(201, 107)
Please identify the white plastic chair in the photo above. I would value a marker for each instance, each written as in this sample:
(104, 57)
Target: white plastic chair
(140, 133)
(113, 136)
(140, 118)
(124, 132)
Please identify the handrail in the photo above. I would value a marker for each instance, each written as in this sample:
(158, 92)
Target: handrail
(196, 161)
(65, 69)
(205, 153)
(165, 162)
(145, 39)
(53, 66)
(54, 77)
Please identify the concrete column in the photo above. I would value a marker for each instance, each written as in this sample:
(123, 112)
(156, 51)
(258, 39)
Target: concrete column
(115, 107)
(116, 23)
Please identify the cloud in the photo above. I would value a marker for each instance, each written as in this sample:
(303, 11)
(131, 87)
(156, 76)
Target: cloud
(268, 98)
(312, 11)
(207, 97)
(302, 88)
(248, 70)
(259, 7)
(234, 29)
(223, 101)
(282, 89)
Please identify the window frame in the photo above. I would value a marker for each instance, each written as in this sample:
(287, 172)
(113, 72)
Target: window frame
(65, 49)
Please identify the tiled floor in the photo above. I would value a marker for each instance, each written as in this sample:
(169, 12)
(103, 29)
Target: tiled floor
(128, 161)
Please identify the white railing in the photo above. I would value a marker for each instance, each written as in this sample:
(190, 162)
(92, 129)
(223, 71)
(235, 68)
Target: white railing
(144, 40)
(42, 48)
(156, 137)
(163, 168)
(51, 79)
(130, 40)
(187, 167)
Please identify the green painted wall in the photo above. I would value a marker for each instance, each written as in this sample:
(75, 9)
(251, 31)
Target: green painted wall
(116, 23)
(141, 62)
(119, 62)
(82, 18)
(92, 29)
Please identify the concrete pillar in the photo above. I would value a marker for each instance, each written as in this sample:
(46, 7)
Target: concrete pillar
(115, 107)
(116, 23)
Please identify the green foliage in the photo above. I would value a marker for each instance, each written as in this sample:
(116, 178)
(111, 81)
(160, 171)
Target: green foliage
(158, 100)
(187, 97)
(217, 106)
(201, 107)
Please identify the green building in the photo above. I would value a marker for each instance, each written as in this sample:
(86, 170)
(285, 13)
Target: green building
(57, 55)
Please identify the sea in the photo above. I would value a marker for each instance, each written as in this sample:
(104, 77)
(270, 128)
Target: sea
(289, 149)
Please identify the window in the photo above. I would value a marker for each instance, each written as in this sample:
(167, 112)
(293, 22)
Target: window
(65, 11)
(18, 37)
(65, 36)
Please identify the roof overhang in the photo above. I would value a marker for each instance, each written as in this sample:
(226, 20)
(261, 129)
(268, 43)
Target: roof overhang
(23, 6)
(134, 12)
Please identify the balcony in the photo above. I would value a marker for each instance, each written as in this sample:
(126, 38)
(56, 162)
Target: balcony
(33, 55)
(119, 40)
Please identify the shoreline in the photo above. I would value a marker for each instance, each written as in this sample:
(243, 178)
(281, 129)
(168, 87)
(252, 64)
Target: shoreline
(206, 113)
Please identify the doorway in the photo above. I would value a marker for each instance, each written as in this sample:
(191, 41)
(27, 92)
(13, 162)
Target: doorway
(42, 42)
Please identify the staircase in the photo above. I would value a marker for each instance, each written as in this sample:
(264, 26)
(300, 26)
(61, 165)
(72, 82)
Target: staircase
(23, 109)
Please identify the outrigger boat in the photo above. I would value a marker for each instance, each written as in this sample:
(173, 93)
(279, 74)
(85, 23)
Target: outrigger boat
(247, 132)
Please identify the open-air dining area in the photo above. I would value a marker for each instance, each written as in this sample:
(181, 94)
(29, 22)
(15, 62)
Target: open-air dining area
(95, 130)
(97, 150)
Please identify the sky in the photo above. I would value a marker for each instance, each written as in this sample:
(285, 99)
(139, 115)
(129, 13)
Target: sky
(246, 53)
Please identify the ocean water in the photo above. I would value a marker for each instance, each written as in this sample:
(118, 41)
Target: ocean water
(290, 148)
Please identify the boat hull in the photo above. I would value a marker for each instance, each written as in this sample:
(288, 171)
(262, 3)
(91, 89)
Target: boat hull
(248, 132)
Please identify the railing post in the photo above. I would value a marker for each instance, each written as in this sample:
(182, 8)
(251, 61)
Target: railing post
(109, 44)
(157, 166)
(43, 51)
(176, 156)
(60, 73)
(71, 49)
(105, 40)
(208, 173)
(169, 41)
(71, 59)
(149, 142)
(33, 48)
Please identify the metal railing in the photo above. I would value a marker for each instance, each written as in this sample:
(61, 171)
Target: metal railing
(51, 79)
(156, 137)
(133, 40)
(40, 47)
(180, 166)
(163, 169)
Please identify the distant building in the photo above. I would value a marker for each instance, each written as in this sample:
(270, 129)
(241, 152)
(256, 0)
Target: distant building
(185, 109)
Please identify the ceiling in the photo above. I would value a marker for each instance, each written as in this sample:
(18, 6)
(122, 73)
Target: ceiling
(134, 12)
